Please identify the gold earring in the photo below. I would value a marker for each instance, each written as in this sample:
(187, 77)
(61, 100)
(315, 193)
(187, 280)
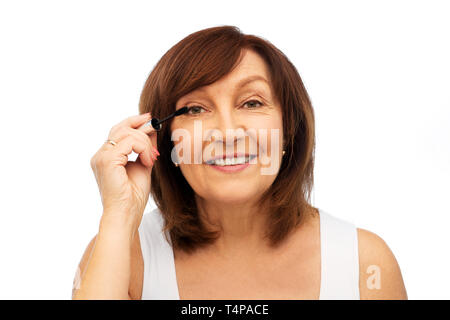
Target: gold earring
(176, 164)
(284, 152)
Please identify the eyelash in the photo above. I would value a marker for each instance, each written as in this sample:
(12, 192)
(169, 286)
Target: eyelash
(253, 100)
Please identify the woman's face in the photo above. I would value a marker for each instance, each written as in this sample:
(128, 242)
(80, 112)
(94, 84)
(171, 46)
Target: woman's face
(227, 117)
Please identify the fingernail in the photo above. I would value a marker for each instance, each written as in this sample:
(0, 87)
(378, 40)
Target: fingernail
(156, 150)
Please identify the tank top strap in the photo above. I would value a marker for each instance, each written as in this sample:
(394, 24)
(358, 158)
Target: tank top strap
(340, 259)
(159, 281)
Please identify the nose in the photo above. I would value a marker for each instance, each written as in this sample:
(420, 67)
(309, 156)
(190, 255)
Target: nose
(231, 125)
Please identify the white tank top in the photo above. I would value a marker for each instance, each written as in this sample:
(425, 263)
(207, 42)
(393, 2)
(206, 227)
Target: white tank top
(339, 264)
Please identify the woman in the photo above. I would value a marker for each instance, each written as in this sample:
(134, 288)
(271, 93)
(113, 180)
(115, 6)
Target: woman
(227, 225)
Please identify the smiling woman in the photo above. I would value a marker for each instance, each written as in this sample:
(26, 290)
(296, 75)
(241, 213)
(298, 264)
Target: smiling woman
(232, 188)
(219, 71)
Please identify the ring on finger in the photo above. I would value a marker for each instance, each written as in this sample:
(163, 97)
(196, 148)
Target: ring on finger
(111, 142)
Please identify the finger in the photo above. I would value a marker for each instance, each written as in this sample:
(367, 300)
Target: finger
(129, 144)
(150, 132)
(125, 132)
(119, 133)
(149, 140)
(147, 127)
(152, 152)
(134, 121)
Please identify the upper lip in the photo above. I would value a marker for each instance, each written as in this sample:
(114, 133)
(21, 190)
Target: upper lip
(231, 156)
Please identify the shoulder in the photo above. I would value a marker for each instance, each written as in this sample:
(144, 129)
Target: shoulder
(379, 273)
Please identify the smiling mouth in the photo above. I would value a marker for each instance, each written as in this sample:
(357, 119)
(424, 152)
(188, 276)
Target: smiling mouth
(232, 161)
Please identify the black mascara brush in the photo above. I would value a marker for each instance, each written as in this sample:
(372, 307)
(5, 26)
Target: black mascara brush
(156, 123)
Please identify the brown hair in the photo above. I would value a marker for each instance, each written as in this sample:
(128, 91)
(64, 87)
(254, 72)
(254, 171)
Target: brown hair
(198, 60)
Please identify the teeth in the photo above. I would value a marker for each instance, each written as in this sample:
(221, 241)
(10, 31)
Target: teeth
(230, 161)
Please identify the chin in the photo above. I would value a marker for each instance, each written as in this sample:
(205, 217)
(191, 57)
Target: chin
(233, 192)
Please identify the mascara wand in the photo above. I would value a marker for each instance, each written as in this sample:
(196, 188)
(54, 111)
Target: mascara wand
(156, 123)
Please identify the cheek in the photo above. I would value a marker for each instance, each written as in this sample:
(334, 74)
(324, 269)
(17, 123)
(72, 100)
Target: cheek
(194, 177)
(270, 134)
(183, 141)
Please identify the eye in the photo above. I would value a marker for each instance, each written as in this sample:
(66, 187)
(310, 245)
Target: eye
(195, 110)
(253, 101)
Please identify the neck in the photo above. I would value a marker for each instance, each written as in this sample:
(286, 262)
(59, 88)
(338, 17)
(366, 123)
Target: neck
(241, 225)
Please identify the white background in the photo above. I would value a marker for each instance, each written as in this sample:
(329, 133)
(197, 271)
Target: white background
(378, 74)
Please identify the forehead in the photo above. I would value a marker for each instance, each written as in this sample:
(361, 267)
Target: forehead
(251, 63)
(251, 70)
